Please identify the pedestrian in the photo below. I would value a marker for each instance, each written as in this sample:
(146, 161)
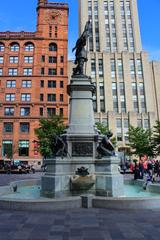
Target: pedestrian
(141, 169)
(136, 171)
(33, 169)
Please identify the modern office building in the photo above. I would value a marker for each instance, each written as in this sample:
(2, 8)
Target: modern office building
(127, 83)
(33, 80)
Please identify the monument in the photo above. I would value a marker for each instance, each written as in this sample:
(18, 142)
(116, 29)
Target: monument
(90, 164)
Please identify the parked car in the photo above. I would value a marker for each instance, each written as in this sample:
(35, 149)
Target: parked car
(11, 167)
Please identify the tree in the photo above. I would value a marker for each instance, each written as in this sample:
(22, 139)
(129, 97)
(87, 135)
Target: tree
(140, 141)
(105, 131)
(156, 138)
(46, 133)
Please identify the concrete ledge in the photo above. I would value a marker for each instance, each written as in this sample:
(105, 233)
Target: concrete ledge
(87, 200)
(127, 203)
(41, 205)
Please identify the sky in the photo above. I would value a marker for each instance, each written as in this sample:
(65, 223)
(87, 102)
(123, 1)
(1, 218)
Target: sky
(20, 15)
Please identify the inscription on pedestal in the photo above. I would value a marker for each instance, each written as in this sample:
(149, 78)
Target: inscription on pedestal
(82, 149)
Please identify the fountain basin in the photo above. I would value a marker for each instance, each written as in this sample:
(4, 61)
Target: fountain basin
(28, 198)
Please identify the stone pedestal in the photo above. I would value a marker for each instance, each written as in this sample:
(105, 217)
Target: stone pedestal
(81, 134)
(82, 139)
(109, 182)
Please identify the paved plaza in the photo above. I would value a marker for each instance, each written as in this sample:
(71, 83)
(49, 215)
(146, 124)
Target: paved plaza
(81, 224)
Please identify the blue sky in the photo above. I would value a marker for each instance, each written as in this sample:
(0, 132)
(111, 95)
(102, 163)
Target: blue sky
(17, 15)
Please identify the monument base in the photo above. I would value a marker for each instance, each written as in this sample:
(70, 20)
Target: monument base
(57, 180)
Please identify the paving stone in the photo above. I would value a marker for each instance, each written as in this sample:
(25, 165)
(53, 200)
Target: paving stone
(79, 224)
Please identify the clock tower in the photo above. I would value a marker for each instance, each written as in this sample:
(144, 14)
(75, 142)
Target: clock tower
(52, 20)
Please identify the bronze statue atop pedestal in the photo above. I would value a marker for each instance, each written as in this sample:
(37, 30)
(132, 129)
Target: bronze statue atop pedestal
(81, 53)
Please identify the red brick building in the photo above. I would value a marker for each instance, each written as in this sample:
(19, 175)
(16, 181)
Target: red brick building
(33, 80)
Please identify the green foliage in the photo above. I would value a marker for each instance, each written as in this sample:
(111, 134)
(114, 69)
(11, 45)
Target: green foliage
(156, 138)
(102, 128)
(105, 131)
(8, 150)
(140, 141)
(48, 129)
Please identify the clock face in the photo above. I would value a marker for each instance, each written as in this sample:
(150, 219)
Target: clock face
(53, 17)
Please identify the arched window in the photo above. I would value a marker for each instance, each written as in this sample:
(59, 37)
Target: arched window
(14, 47)
(53, 47)
(1, 47)
(29, 47)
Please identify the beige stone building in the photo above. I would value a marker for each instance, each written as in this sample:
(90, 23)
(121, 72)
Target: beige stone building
(127, 83)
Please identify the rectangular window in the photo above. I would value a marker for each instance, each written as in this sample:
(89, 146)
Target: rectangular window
(113, 69)
(141, 88)
(102, 105)
(42, 71)
(61, 98)
(13, 59)
(41, 111)
(11, 84)
(94, 105)
(119, 137)
(52, 71)
(139, 123)
(143, 104)
(25, 97)
(61, 71)
(126, 123)
(146, 123)
(61, 111)
(25, 111)
(122, 97)
(51, 97)
(1, 59)
(42, 83)
(24, 127)
(134, 89)
(139, 69)
(120, 69)
(24, 148)
(43, 58)
(8, 127)
(1, 71)
(101, 89)
(142, 97)
(9, 111)
(61, 84)
(10, 97)
(27, 71)
(135, 103)
(61, 59)
(51, 84)
(28, 59)
(132, 68)
(122, 88)
(115, 97)
(100, 67)
(115, 104)
(1, 47)
(93, 68)
(114, 89)
(7, 148)
(12, 72)
(26, 83)
(52, 59)
(41, 97)
(15, 47)
(119, 123)
(51, 111)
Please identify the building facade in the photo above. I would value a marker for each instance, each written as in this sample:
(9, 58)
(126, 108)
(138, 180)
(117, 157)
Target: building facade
(33, 80)
(127, 83)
